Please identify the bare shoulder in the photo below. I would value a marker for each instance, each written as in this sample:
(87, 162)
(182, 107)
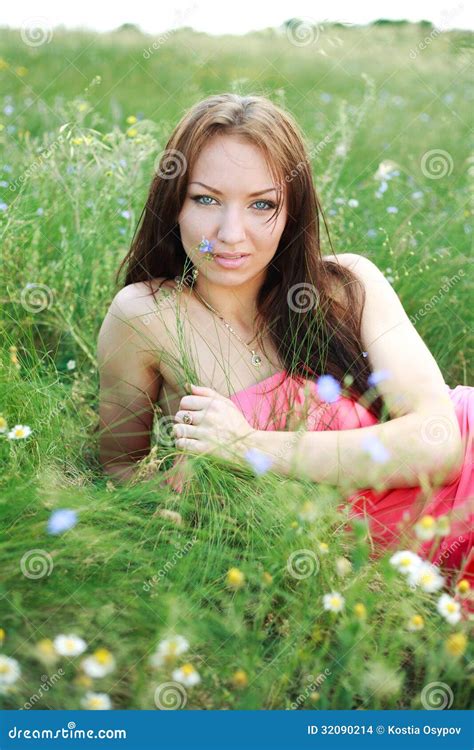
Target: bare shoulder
(131, 322)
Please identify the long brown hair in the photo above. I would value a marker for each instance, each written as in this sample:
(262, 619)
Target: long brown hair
(314, 330)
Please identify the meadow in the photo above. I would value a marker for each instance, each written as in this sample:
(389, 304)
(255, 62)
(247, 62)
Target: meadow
(249, 591)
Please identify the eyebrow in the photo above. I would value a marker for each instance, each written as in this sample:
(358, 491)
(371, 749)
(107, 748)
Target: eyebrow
(214, 190)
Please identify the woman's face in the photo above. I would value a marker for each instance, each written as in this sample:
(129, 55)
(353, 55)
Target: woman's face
(229, 209)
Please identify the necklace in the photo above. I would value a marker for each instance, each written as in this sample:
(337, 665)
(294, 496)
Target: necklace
(256, 358)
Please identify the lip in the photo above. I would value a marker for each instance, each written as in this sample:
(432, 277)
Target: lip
(230, 262)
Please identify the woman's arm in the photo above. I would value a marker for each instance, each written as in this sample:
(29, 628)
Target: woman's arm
(423, 437)
(129, 385)
(339, 457)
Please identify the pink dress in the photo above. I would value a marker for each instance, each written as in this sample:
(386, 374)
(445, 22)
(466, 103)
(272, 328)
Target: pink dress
(391, 513)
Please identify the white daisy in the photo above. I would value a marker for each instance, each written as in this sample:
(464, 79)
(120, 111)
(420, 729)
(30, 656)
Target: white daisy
(343, 566)
(96, 701)
(168, 649)
(449, 608)
(405, 561)
(427, 576)
(19, 432)
(100, 664)
(186, 675)
(333, 602)
(69, 645)
(9, 670)
(71, 364)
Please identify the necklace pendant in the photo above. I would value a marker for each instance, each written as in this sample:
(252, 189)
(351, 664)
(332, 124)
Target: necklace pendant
(256, 360)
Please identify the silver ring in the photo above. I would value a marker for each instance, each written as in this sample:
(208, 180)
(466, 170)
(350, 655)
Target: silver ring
(187, 418)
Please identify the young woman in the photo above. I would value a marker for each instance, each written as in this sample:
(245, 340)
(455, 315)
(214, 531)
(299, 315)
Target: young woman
(226, 286)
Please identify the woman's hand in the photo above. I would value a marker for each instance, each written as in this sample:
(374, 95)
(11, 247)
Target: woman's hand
(218, 427)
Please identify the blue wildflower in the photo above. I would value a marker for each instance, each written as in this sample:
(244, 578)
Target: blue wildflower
(62, 520)
(205, 246)
(377, 376)
(374, 447)
(328, 388)
(259, 462)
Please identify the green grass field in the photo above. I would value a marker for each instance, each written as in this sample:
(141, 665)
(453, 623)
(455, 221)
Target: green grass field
(83, 119)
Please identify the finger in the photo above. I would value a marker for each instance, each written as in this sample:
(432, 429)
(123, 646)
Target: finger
(183, 430)
(193, 446)
(196, 415)
(194, 402)
(205, 391)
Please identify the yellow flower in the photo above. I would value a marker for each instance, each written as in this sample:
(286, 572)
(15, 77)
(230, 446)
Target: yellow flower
(21, 71)
(323, 547)
(131, 120)
(462, 586)
(456, 644)
(82, 680)
(103, 655)
(360, 611)
(2, 636)
(132, 132)
(3, 64)
(240, 679)
(294, 524)
(82, 106)
(46, 652)
(77, 141)
(425, 528)
(314, 697)
(267, 577)
(3, 424)
(235, 578)
(416, 622)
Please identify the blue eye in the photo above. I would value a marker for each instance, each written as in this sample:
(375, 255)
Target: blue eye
(197, 198)
(268, 205)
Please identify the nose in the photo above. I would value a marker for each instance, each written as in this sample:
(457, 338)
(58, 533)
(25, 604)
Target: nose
(231, 229)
